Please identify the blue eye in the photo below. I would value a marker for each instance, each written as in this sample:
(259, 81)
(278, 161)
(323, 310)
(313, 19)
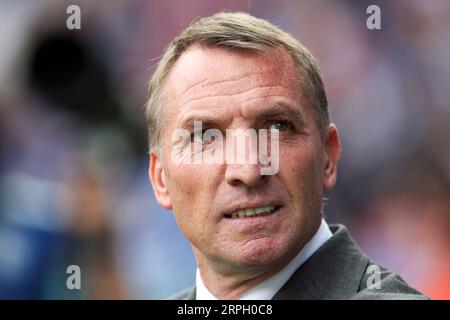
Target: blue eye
(281, 125)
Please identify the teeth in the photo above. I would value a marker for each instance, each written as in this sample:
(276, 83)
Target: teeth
(252, 212)
(259, 210)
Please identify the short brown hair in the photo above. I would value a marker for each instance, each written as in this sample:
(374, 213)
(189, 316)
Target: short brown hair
(235, 31)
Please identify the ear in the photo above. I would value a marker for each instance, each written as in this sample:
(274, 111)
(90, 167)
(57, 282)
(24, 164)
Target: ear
(157, 177)
(332, 154)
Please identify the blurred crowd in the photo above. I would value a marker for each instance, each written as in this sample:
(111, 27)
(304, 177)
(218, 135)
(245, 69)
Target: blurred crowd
(73, 143)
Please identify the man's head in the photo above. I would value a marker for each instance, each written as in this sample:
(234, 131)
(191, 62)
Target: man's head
(234, 71)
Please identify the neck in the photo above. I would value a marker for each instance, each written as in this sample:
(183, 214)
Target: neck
(231, 285)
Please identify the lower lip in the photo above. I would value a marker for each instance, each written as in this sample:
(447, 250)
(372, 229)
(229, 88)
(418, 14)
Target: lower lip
(256, 220)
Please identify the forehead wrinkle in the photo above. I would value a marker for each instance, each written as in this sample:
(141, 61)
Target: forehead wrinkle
(246, 91)
(214, 83)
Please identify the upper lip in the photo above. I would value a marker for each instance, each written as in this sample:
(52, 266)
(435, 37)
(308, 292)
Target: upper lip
(248, 205)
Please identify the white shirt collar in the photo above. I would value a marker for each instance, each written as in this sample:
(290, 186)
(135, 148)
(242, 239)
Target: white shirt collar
(269, 287)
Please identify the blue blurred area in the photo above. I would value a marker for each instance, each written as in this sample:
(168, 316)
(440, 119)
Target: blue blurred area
(73, 151)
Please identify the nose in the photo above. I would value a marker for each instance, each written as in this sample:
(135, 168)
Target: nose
(245, 174)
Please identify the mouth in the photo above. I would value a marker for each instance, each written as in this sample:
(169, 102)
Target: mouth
(249, 213)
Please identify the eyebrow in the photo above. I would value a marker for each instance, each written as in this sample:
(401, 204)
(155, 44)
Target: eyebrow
(279, 110)
(207, 122)
(282, 110)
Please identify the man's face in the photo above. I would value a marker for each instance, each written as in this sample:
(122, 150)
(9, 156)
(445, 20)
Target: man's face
(241, 90)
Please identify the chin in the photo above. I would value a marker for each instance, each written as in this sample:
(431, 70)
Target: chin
(260, 253)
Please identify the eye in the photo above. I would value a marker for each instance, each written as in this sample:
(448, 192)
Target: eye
(197, 136)
(281, 125)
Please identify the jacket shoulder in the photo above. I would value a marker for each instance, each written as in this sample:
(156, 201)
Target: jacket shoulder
(339, 269)
(378, 283)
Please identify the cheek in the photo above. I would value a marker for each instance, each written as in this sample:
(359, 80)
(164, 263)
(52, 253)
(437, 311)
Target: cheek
(183, 189)
(300, 171)
(191, 191)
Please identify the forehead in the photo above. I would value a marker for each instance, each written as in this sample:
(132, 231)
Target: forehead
(199, 67)
(208, 77)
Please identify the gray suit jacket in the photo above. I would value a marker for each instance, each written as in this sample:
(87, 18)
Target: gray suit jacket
(338, 270)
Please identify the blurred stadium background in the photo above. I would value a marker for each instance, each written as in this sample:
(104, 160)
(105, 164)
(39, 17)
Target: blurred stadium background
(73, 162)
